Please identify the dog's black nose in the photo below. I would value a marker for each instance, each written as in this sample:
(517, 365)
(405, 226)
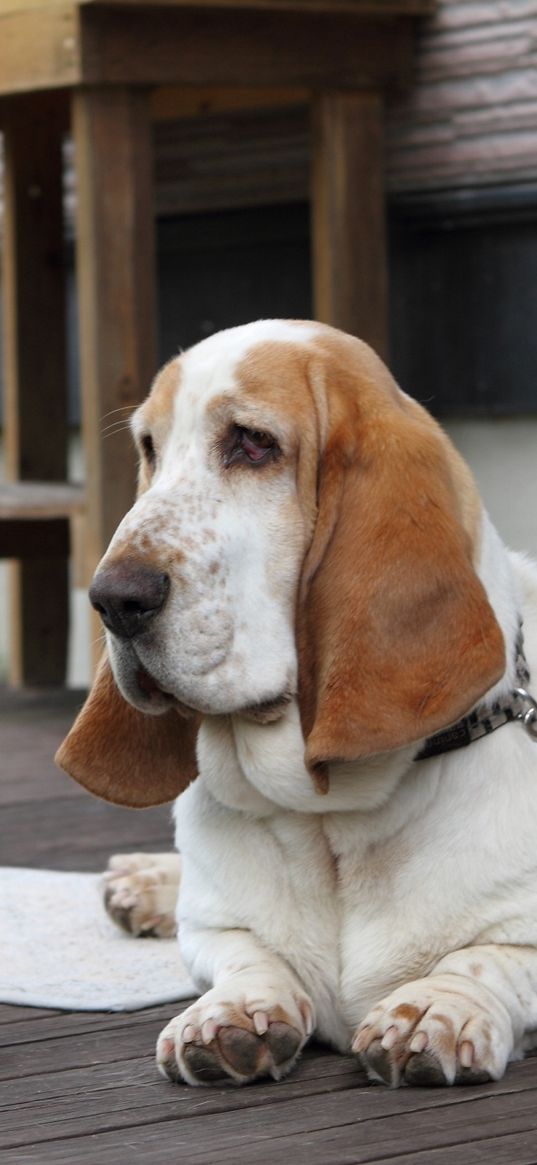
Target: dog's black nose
(128, 594)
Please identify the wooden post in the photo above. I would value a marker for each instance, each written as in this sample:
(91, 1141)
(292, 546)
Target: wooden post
(348, 216)
(117, 293)
(35, 367)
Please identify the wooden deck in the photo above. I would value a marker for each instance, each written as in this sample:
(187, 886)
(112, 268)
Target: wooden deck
(82, 1087)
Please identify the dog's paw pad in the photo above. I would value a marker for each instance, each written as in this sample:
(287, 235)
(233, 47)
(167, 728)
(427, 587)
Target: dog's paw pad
(203, 1063)
(424, 1070)
(284, 1042)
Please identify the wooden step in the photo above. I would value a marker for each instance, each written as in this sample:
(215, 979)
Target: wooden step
(39, 500)
(36, 518)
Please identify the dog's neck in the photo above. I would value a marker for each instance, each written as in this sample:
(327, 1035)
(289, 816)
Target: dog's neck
(264, 770)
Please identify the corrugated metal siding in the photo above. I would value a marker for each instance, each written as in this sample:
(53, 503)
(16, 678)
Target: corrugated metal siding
(471, 117)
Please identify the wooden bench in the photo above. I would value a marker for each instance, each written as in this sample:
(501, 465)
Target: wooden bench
(39, 525)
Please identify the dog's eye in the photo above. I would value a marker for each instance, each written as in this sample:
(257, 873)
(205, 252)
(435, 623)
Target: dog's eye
(255, 445)
(148, 450)
(252, 446)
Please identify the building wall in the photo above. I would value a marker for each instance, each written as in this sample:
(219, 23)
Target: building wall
(471, 117)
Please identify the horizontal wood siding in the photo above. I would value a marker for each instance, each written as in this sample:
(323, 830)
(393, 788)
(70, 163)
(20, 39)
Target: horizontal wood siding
(241, 158)
(471, 117)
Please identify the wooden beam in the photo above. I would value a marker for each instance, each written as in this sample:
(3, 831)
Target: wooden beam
(39, 47)
(348, 215)
(49, 44)
(42, 501)
(170, 102)
(117, 293)
(189, 46)
(377, 8)
(35, 367)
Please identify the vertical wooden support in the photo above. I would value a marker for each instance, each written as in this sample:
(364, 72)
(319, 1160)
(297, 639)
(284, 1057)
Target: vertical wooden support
(348, 216)
(35, 367)
(117, 293)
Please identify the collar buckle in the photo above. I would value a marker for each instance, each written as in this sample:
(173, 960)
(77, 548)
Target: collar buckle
(528, 712)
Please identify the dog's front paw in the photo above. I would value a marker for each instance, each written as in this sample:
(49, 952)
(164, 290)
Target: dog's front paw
(140, 893)
(221, 1038)
(433, 1033)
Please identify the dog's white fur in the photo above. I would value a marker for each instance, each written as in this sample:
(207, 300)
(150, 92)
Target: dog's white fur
(435, 901)
(412, 884)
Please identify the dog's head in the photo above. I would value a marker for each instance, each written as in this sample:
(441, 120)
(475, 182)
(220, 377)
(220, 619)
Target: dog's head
(302, 528)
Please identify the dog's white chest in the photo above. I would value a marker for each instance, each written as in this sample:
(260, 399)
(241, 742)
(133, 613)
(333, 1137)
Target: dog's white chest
(355, 900)
(303, 885)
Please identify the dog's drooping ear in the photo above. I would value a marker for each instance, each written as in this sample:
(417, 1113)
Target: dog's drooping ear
(396, 636)
(125, 756)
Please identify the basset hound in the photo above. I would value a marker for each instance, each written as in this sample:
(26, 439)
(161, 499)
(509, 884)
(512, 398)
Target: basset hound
(314, 643)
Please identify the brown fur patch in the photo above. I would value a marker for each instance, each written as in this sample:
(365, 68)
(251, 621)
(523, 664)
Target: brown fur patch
(407, 1011)
(159, 406)
(396, 636)
(124, 756)
(156, 413)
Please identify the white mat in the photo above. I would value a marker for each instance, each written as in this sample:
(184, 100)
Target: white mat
(59, 949)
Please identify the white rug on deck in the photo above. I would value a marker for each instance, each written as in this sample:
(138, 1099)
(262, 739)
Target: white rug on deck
(59, 949)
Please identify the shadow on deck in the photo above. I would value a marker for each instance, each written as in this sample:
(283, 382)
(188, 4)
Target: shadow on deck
(82, 1087)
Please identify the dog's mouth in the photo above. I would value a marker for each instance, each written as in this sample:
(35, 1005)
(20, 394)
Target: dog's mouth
(152, 698)
(156, 697)
(268, 711)
(149, 687)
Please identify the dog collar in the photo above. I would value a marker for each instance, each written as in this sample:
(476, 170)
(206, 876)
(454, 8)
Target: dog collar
(519, 705)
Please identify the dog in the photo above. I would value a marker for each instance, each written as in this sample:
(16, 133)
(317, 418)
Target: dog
(316, 637)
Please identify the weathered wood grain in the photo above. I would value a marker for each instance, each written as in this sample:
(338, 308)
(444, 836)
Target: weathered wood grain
(190, 46)
(39, 47)
(377, 7)
(348, 215)
(39, 500)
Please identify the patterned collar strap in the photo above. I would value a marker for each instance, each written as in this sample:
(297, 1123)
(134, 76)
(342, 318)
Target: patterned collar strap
(519, 706)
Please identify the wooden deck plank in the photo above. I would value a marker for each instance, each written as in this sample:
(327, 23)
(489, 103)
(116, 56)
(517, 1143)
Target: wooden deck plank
(515, 1149)
(31, 728)
(103, 1097)
(83, 1087)
(78, 835)
(345, 1126)
(106, 1092)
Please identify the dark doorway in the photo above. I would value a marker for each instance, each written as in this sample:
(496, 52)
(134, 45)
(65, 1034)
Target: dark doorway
(227, 268)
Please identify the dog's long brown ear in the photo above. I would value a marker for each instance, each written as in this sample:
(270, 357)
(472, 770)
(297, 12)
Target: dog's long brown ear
(396, 636)
(124, 756)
